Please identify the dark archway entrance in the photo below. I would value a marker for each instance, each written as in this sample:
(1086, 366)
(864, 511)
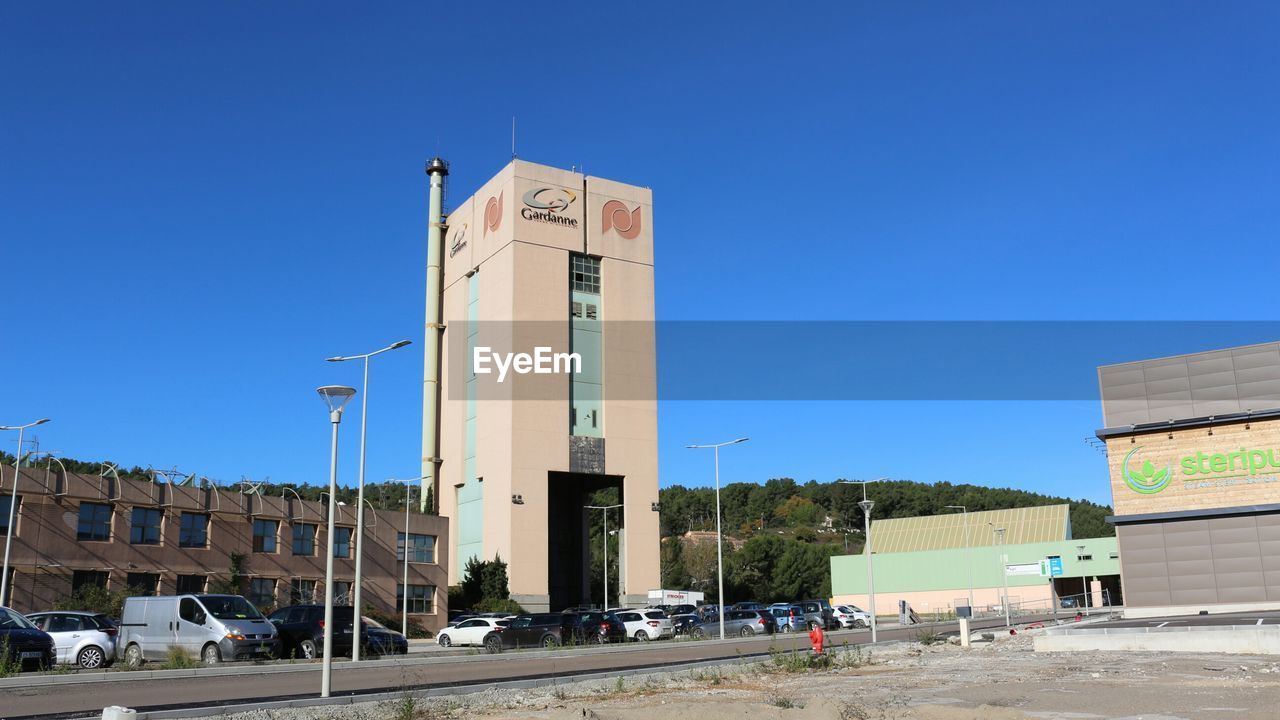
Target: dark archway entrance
(568, 524)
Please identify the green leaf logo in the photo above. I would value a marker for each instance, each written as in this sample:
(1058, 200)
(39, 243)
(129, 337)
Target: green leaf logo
(1150, 480)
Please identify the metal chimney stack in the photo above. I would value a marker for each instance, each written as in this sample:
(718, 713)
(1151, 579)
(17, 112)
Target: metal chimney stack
(436, 169)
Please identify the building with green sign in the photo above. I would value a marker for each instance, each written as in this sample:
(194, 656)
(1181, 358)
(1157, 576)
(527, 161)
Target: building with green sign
(937, 563)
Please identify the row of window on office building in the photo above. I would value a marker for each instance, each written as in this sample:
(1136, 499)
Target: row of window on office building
(261, 591)
(95, 521)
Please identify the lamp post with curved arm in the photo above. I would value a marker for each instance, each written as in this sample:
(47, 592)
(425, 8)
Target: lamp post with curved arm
(719, 535)
(364, 414)
(404, 593)
(13, 503)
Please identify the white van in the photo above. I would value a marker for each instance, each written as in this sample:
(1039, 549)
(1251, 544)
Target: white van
(211, 627)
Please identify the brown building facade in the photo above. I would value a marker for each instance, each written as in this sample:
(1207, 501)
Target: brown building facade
(72, 530)
(1193, 449)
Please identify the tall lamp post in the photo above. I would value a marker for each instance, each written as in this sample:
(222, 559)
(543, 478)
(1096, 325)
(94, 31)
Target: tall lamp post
(1004, 574)
(719, 535)
(13, 503)
(335, 396)
(866, 506)
(404, 596)
(364, 414)
(968, 556)
(605, 512)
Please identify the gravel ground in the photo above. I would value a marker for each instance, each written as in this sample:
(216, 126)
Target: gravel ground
(1001, 680)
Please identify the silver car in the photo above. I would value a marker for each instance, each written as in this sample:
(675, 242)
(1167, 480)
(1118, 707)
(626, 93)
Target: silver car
(86, 639)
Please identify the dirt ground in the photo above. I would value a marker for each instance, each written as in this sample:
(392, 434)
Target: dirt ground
(1003, 680)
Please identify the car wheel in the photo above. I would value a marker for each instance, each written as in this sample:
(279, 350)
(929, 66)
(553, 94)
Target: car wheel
(642, 636)
(445, 641)
(211, 655)
(860, 623)
(595, 639)
(493, 645)
(550, 641)
(133, 656)
(307, 649)
(91, 657)
(746, 631)
(699, 633)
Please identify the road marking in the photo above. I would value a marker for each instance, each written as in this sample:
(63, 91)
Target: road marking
(1259, 621)
(1162, 624)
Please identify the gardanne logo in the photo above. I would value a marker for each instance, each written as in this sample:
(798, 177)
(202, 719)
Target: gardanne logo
(1148, 479)
(544, 204)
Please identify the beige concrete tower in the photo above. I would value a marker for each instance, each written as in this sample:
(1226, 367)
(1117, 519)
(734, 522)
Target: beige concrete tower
(545, 258)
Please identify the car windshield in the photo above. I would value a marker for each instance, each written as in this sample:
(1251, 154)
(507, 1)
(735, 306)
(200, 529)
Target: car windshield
(230, 607)
(370, 622)
(521, 622)
(10, 620)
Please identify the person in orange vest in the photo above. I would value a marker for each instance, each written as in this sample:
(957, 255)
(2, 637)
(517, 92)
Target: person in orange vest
(817, 638)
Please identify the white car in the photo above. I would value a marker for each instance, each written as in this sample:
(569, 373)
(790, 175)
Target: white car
(470, 632)
(646, 625)
(81, 638)
(851, 616)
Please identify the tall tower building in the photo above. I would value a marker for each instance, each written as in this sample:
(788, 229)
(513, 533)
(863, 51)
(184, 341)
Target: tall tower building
(548, 382)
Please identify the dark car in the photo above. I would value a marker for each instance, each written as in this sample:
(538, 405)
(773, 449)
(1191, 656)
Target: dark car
(301, 630)
(25, 643)
(525, 631)
(746, 605)
(382, 640)
(674, 610)
(592, 627)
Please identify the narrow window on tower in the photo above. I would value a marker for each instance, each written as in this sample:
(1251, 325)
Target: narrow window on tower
(585, 315)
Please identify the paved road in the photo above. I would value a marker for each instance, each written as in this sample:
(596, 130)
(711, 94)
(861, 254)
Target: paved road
(259, 683)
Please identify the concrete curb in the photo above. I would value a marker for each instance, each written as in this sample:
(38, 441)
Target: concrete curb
(1230, 639)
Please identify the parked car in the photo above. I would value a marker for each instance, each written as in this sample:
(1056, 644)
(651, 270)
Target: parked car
(646, 625)
(24, 642)
(592, 628)
(301, 630)
(790, 618)
(469, 632)
(81, 638)
(738, 622)
(382, 640)
(211, 627)
(674, 610)
(530, 630)
(851, 616)
(746, 605)
(455, 620)
(818, 613)
(684, 624)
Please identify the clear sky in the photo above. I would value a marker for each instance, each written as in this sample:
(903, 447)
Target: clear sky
(201, 201)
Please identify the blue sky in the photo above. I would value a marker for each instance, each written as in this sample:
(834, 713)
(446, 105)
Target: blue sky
(200, 202)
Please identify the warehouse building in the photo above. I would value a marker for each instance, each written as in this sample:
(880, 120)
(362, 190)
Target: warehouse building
(547, 379)
(937, 563)
(1193, 448)
(72, 530)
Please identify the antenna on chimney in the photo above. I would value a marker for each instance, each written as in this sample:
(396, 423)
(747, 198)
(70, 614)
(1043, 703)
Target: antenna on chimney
(513, 137)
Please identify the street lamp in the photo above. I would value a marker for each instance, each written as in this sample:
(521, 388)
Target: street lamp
(13, 503)
(605, 512)
(404, 594)
(968, 556)
(719, 535)
(364, 411)
(866, 506)
(335, 397)
(1004, 573)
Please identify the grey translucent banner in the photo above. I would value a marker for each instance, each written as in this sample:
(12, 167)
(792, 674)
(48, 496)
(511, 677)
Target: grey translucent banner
(820, 360)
